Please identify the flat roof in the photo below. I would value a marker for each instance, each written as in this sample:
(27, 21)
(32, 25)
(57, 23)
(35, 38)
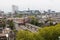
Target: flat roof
(1, 35)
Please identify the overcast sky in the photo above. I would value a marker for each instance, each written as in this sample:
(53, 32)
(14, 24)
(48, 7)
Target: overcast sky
(32, 4)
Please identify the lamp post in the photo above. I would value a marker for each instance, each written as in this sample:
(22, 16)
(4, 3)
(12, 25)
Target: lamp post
(7, 36)
(59, 37)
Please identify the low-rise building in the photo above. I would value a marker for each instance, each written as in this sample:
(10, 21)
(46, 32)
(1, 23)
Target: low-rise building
(21, 21)
(3, 33)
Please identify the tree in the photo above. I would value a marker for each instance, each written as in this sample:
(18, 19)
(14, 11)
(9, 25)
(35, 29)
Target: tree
(25, 35)
(2, 22)
(10, 23)
(46, 33)
(33, 20)
(50, 33)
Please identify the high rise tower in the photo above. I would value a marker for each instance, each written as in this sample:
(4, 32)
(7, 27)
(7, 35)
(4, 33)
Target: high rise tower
(14, 8)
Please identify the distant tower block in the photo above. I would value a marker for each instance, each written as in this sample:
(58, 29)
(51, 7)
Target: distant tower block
(28, 9)
(49, 11)
(14, 8)
(1, 13)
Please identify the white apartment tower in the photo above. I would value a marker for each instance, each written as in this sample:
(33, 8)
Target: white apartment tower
(14, 8)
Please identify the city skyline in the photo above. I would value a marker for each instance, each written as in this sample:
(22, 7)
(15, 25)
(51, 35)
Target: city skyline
(6, 5)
